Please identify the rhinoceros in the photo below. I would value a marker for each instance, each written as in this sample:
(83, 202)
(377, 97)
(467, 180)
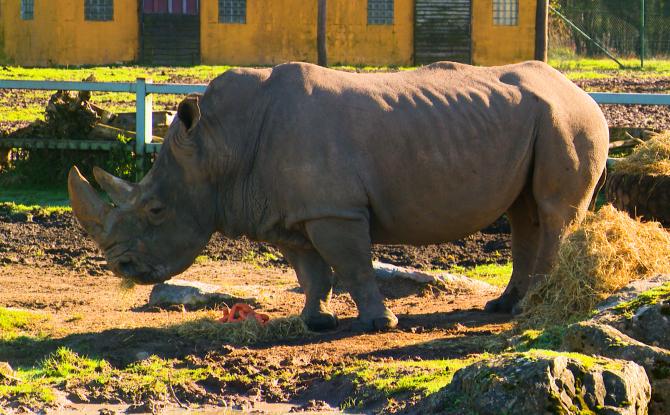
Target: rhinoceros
(323, 163)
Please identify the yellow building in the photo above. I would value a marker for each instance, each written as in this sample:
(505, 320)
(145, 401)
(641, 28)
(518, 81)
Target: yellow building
(265, 32)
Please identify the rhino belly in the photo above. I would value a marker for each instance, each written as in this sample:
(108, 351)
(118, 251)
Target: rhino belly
(443, 206)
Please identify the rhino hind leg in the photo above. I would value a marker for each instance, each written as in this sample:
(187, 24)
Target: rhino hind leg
(346, 246)
(316, 279)
(525, 239)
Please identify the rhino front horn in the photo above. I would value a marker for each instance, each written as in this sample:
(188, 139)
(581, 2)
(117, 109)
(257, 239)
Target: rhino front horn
(87, 206)
(119, 190)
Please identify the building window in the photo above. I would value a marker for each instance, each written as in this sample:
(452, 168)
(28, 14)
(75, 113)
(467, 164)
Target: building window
(380, 11)
(27, 9)
(99, 10)
(506, 12)
(232, 11)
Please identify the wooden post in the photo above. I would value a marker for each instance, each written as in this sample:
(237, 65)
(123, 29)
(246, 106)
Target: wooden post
(541, 30)
(321, 33)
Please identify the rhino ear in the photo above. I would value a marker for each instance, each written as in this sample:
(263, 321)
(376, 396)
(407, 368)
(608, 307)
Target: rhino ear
(189, 111)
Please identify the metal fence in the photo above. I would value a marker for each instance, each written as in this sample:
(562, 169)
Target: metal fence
(626, 28)
(144, 88)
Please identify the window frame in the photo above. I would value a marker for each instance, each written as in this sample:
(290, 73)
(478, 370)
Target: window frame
(95, 10)
(27, 9)
(380, 12)
(234, 16)
(505, 12)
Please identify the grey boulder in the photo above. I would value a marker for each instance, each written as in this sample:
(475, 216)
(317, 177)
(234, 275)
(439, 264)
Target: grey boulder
(546, 383)
(191, 294)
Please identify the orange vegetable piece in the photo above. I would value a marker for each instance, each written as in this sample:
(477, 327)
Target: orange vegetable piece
(241, 312)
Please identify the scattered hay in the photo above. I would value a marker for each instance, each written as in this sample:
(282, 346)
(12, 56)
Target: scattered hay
(602, 255)
(126, 284)
(651, 158)
(245, 332)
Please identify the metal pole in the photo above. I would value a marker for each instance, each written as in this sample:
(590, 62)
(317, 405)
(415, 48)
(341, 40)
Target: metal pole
(642, 30)
(143, 124)
(321, 32)
(581, 32)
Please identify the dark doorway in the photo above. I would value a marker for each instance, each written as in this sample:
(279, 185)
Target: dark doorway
(170, 32)
(442, 31)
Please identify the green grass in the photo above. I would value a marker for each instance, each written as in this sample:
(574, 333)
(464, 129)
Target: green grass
(148, 379)
(397, 379)
(27, 196)
(494, 274)
(654, 296)
(582, 68)
(14, 323)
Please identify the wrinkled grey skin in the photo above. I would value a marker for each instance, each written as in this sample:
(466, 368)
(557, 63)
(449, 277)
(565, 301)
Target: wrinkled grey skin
(323, 163)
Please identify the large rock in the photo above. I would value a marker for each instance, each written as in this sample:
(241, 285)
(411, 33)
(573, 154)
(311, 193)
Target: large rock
(453, 283)
(191, 294)
(603, 340)
(542, 382)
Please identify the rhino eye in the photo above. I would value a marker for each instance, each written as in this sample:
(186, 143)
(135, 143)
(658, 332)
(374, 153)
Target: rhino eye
(156, 210)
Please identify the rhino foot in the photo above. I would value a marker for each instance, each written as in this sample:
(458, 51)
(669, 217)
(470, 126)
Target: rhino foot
(385, 322)
(506, 303)
(320, 321)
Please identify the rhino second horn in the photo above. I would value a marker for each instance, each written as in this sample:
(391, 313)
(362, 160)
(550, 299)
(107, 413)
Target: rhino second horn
(119, 190)
(87, 206)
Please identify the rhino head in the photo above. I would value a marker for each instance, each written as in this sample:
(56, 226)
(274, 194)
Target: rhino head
(154, 229)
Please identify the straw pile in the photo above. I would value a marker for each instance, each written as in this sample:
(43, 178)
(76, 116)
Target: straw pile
(603, 254)
(245, 332)
(651, 158)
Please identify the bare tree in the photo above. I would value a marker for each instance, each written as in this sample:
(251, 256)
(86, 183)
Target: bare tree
(321, 33)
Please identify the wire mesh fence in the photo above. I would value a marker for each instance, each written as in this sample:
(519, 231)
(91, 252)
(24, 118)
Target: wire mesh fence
(618, 25)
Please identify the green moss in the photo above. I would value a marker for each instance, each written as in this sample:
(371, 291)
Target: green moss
(547, 339)
(654, 296)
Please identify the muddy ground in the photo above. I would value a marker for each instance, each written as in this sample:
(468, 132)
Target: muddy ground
(47, 264)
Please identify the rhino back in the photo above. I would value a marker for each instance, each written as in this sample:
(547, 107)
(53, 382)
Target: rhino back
(428, 155)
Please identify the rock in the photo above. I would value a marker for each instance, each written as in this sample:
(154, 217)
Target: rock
(192, 294)
(600, 339)
(542, 382)
(641, 310)
(631, 291)
(452, 282)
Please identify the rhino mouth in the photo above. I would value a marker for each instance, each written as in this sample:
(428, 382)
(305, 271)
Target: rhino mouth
(131, 267)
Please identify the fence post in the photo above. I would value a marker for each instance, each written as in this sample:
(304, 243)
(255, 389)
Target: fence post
(143, 124)
(642, 30)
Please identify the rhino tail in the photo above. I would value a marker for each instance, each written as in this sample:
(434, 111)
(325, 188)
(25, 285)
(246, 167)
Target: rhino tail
(599, 187)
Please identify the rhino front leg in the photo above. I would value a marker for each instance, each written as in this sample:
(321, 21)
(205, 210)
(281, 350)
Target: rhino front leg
(345, 245)
(316, 279)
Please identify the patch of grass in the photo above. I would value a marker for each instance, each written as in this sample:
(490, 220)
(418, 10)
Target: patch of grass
(13, 209)
(246, 332)
(547, 339)
(14, 323)
(149, 379)
(29, 196)
(652, 67)
(654, 296)
(494, 274)
(400, 379)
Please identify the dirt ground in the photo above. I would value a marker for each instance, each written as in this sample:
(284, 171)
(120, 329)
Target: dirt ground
(47, 264)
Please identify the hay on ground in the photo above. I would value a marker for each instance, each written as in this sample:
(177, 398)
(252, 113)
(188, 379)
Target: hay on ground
(603, 254)
(248, 331)
(651, 158)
